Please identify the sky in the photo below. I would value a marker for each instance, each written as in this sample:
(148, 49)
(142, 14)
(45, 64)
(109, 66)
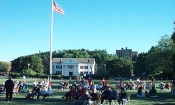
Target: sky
(89, 24)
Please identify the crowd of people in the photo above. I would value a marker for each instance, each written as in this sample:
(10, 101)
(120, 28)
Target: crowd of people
(19, 86)
(10, 87)
(84, 92)
(102, 91)
(42, 88)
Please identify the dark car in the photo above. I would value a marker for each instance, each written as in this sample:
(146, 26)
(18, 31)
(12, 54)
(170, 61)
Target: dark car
(118, 78)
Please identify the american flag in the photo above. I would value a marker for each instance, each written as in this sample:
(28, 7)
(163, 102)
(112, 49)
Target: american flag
(57, 8)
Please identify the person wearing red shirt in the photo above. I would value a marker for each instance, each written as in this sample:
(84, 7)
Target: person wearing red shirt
(90, 81)
(82, 91)
(69, 94)
(146, 94)
(167, 85)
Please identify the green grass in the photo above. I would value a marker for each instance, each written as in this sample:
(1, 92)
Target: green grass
(165, 98)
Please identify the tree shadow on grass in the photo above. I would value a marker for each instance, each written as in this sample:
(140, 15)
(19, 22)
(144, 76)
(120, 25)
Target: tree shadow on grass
(165, 104)
(164, 98)
(23, 101)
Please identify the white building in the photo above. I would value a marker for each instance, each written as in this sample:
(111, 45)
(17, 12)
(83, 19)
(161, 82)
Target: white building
(73, 66)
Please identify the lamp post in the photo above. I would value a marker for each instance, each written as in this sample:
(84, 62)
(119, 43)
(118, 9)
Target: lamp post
(28, 66)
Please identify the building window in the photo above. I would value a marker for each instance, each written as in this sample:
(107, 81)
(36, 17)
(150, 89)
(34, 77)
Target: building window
(58, 67)
(70, 66)
(85, 67)
(81, 67)
(82, 73)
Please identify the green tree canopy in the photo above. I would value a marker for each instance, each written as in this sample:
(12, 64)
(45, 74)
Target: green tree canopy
(33, 62)
(119, 67)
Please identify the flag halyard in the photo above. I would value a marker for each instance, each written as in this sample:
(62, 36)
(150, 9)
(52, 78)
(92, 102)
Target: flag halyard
(57, 8)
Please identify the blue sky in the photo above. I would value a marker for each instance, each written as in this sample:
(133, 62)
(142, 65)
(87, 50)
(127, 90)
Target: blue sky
(88, 24)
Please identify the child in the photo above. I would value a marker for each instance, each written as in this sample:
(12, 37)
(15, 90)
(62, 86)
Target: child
(146, 94)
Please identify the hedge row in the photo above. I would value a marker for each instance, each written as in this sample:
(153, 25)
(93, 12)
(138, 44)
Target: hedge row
(19, 75)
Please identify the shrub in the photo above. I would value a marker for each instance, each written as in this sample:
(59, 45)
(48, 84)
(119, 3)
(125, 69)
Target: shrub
(100, 77)
(28, 72)
(39, 75)
(15, 75)
(56, 76)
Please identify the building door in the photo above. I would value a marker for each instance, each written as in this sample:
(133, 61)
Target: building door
(70, 73)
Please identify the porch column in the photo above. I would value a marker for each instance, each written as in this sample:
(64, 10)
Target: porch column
(78, 69)
(66, 71)
(92, 69)
(62, 69)
(74, 72)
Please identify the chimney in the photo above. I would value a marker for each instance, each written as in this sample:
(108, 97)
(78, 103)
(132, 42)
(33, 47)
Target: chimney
(126, 47)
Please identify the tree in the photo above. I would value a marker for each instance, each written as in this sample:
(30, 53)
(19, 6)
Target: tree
(160, 56)
(173, 55)
(102, 72)
(2, 67)
(140, 64)
(5, 67)
(36, 64)
(119, 67)
(173, 35)
(41, 62)
(21, 63)
(28, 72)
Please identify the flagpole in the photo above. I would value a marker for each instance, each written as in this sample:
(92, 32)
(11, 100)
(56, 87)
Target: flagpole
(51, 31)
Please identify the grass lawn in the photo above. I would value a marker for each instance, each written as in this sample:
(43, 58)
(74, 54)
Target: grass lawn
(164, 97)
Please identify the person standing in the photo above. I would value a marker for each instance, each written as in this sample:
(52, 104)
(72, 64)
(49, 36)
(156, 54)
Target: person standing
(152, 79)
(105, 95)
(122, 98)
(138, 82)
(9, 89)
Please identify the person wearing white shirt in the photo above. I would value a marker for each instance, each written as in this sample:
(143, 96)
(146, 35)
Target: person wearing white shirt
(47, 83)
(49, 90)
(138, 82)
(35, 83)
(15, 85)
(42, 92)
(44, 89)
(86, 85)
(17, 82)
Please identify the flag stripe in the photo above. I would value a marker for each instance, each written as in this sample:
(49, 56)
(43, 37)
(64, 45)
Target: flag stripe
(57, 8)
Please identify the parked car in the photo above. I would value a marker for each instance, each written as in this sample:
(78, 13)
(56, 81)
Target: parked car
(133, 78)
(118, 78)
